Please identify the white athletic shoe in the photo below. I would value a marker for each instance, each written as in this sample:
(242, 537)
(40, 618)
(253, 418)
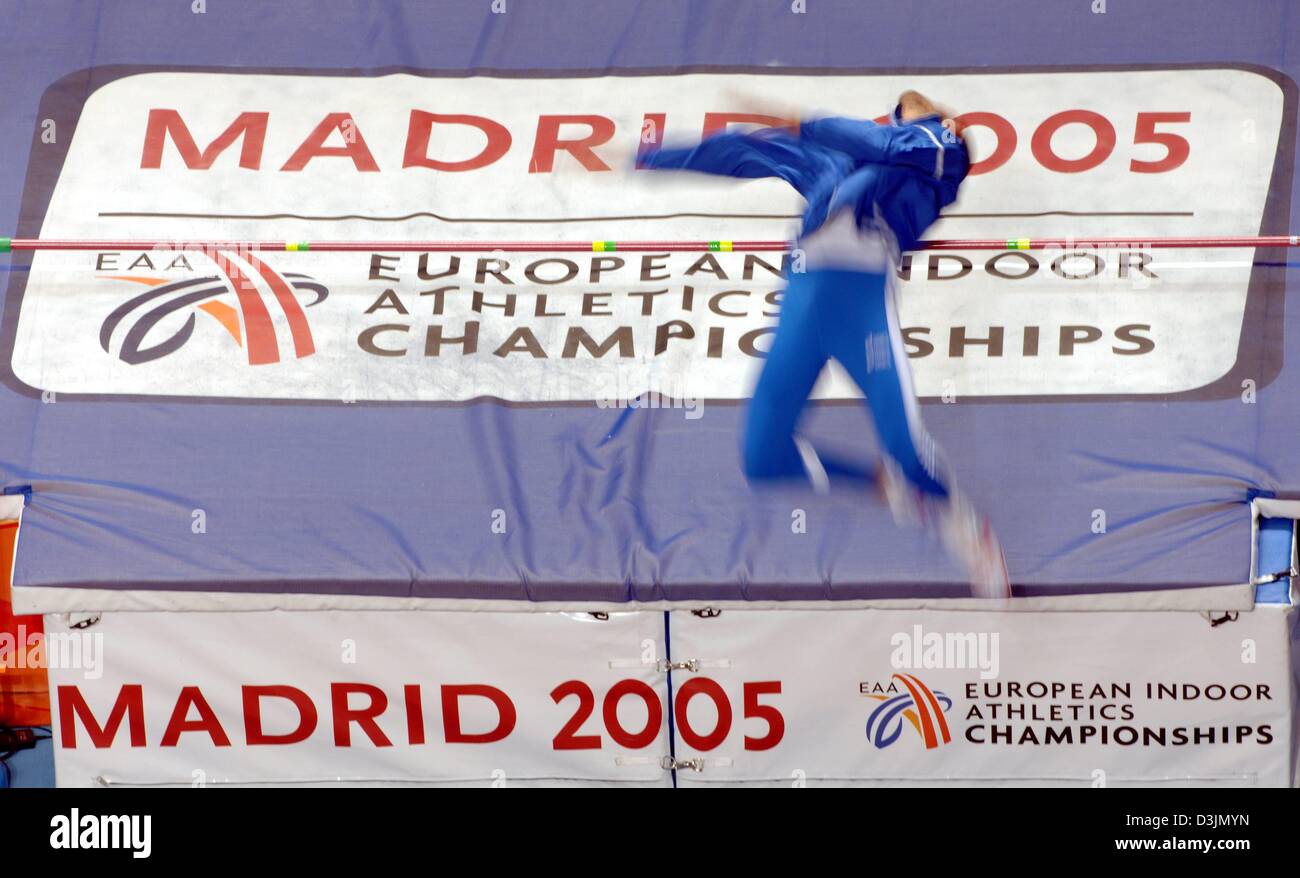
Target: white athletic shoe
(969, 537)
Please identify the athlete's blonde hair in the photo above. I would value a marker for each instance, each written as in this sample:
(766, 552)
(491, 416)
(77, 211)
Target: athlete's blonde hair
(915, 105)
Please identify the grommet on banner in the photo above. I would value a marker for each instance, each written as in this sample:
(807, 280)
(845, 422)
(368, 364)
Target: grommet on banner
(1290, 572)
(1229, 616)
(663, 666)
(668, 763)
(81, 624)
(696, 763)
(693, 665)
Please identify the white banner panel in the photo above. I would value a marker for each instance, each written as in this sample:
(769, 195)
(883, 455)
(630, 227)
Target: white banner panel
(1089, 699)
(179, 156)
(495, 699)
(783, 698)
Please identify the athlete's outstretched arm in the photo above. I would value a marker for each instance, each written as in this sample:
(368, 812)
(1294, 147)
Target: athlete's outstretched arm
(727, 154)
(863, 140)
(768, 153)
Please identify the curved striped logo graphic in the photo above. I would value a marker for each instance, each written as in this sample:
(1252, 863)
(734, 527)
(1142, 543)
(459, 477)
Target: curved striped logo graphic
(248, 320)
(922, 707)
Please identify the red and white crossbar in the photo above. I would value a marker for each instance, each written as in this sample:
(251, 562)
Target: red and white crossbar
(1129, 243)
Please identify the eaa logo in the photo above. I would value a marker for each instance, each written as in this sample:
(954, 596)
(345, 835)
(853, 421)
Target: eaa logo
(143, 321)
(905, 697)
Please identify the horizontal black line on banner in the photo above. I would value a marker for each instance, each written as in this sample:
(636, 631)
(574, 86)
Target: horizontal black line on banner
(599, 219)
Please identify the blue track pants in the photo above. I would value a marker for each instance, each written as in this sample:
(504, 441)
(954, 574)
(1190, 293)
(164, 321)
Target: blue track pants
(849, 316)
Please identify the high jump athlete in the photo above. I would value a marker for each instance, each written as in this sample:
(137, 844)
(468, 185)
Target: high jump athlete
(871, 192)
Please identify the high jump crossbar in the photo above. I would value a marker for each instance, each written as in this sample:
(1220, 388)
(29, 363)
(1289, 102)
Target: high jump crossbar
(1070, 243)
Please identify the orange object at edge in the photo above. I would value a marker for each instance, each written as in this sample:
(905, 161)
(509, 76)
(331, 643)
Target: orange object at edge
(24, 691)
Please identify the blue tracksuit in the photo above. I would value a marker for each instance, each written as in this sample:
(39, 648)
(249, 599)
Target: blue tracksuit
(908, 171)
(894, 179)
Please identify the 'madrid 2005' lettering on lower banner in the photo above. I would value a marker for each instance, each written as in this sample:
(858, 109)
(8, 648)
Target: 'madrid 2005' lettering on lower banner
(192, 156)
